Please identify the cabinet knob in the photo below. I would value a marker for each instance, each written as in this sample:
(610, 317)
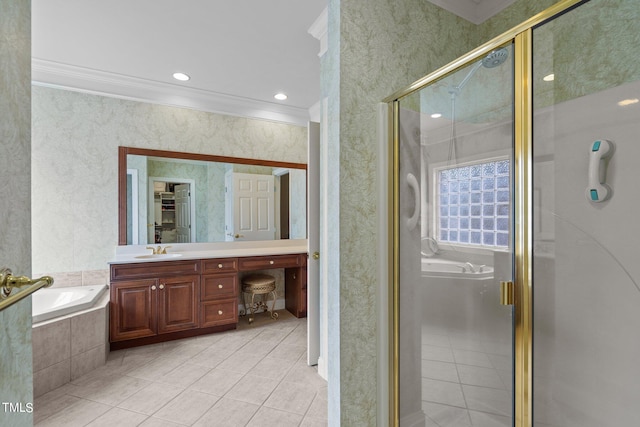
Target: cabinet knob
(271, 262)
(153, 287)
(161, 286)
(220, 286)
(220, 312)
(219, 265)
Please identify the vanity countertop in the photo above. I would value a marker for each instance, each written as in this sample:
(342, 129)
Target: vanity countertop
(139, 253)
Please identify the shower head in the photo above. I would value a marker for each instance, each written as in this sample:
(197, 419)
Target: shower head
(495, 58)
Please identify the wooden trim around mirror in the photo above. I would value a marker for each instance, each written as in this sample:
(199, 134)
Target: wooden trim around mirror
(122, 174)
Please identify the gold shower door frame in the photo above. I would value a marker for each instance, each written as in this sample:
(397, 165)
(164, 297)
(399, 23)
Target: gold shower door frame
(521, 38)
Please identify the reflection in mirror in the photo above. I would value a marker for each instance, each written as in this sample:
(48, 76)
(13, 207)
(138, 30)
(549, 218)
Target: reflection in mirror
(181, 198)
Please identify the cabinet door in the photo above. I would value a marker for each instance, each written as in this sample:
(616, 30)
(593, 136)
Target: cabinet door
(133, 309)
(178, 303)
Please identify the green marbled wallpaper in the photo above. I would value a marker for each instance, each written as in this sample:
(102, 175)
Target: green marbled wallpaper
(75, 162)
(16, 372)
(382, 47)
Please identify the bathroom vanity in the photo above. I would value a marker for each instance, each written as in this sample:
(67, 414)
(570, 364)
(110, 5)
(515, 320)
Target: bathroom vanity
(155, 299)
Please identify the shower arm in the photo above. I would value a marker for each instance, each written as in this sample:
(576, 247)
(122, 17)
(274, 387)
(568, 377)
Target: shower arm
(455, 90)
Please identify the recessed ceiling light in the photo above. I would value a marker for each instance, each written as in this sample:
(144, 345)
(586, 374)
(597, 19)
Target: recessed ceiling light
(280, 96)
(436, 115)
(181, 76)
(626, 102)
(549, 77)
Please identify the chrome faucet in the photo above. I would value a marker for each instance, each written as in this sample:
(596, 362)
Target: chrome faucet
(467, 267)
(472, 268)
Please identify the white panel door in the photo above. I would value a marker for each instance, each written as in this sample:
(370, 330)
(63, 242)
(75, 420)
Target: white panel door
(253, 201)
(183, 215)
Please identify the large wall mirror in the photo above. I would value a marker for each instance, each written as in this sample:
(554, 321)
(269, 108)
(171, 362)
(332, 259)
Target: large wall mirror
(175, 197)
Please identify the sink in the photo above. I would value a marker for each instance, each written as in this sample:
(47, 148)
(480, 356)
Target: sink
(158, 256)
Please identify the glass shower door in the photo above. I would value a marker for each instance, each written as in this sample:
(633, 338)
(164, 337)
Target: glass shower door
(455, 231)
(586, 88)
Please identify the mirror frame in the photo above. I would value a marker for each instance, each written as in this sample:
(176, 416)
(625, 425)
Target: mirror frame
(122, 173)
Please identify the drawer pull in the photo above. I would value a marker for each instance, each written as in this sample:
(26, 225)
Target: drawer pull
(271, 262)
(220, 312)
(219, 265)
(161, 286)
(153, 287)
(220, 286)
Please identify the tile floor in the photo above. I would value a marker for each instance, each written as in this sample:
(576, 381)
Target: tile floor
(466, 382)
(256, 375)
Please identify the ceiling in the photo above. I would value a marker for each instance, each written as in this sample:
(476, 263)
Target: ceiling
(239, 53)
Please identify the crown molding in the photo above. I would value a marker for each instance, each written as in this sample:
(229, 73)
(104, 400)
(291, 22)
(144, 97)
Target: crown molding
(95, 82)
(475, 11)
(319, 30)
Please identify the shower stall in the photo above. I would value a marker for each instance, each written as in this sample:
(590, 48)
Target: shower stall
(515, 265)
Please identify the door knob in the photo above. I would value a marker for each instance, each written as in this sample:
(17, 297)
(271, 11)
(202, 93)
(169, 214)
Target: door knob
(161, 286)
(316, 255)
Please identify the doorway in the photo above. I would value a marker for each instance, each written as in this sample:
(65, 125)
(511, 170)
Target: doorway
(171, 210)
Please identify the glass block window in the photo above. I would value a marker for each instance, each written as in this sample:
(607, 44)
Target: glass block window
(472, 206)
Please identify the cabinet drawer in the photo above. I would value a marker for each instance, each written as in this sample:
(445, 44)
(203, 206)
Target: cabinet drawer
(219, 286)
(274, 261)
(219, 265)
(154, 269)
(214, 313)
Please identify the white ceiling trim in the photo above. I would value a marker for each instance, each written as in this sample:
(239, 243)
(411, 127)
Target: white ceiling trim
(79, 79)
(476, 11)
(319, 30)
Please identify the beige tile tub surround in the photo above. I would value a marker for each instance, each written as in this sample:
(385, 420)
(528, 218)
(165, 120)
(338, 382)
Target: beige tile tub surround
(78, 278)
(66, 348)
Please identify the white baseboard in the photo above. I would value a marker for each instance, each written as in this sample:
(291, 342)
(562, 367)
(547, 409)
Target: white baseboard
(323, 368)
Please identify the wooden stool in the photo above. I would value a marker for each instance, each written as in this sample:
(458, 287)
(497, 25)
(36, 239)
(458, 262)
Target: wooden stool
(258, 284)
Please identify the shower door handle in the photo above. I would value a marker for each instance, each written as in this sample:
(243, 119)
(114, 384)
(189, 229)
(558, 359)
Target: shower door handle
(506, 293)
(413, 184)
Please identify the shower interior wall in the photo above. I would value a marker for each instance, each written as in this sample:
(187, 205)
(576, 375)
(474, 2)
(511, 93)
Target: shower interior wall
(586, 272)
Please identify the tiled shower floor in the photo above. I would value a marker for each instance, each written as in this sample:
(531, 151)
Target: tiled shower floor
(465, 382)
(254, 376)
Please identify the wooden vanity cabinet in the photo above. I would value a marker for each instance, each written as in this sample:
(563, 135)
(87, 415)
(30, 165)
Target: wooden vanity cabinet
(295, 290)
(295, 277)
(158, 301)
(219, 297)
(150, 299)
